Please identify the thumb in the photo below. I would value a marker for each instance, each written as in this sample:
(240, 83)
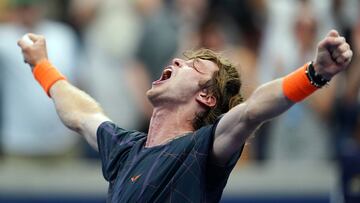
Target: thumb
(333, 33)
(21, 44)
(33, 37)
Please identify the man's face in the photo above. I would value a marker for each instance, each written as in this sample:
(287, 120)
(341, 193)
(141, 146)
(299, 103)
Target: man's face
(181, 81)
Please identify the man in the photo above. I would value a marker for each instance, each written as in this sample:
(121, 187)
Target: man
(190, 150)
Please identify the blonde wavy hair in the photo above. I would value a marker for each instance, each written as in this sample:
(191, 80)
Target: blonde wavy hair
(224, 85)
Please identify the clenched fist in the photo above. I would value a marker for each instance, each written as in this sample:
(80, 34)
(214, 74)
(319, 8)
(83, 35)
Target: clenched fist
(333, 55)
(33, 52)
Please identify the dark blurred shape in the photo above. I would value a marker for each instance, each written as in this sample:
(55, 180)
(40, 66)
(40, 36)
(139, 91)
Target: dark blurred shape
(1, 110)
(210, 33)
(80, 15)
(249, 15)
(27, 12)
(305, 29)
(24, 3)
(350, 175)
(347, 123)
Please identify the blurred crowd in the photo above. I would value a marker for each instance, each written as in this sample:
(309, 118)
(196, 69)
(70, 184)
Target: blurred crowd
(113, 50)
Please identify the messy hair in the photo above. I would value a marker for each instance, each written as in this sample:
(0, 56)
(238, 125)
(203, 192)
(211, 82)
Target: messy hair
(224, 86)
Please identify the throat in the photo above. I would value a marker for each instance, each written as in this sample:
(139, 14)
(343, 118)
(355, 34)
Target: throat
(153, 143)
(166, 126)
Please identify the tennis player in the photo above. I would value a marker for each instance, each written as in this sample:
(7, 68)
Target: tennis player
(199, 123)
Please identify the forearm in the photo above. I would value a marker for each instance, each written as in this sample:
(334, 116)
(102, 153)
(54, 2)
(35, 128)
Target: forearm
(267, 102)
(274, 98)
(73, 106)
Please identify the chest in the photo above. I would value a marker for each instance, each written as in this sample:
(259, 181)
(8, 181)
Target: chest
(150, 173)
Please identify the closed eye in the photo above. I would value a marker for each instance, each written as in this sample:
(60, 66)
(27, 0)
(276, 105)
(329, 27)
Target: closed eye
(195, 65)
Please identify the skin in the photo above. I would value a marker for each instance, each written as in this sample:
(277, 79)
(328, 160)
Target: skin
(177, 100)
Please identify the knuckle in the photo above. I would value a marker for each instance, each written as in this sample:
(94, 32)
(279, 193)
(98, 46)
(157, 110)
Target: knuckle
(26, 49)
(41, 38)
(329, 40)
(340, 40)
(345, 47)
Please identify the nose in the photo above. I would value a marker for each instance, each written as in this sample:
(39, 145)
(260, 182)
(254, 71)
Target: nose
(177, 62)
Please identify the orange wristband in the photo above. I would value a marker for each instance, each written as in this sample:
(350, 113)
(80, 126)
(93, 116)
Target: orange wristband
(46, 74)
(297, 86)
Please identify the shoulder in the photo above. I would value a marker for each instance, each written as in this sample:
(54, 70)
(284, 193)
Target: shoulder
(109, 130)
(204, 137)
(208, 129)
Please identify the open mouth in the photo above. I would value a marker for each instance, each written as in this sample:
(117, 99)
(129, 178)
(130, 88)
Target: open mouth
(166, 74)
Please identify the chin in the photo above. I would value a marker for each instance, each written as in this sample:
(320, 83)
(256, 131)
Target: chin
(155, 92)
(148, 92)
(151, 95)
(156, 98)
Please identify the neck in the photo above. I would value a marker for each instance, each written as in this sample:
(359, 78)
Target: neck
(167, 124)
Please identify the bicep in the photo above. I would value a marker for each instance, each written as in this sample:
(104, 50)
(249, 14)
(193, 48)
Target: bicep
(231, 134)
(267, 102)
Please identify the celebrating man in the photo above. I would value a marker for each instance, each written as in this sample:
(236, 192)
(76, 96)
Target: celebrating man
(199, 123)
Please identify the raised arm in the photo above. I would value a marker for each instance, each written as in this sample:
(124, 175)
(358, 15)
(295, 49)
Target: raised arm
(273, 98)
(77, 110)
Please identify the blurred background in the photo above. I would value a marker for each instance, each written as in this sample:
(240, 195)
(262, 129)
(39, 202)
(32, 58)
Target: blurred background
(113, 49)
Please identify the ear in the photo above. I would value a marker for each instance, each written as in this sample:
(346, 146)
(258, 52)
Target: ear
(206, 98)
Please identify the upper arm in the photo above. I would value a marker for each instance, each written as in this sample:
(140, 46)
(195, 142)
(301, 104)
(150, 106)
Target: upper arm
(89, 125)
(231, 133)
(268, 101)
